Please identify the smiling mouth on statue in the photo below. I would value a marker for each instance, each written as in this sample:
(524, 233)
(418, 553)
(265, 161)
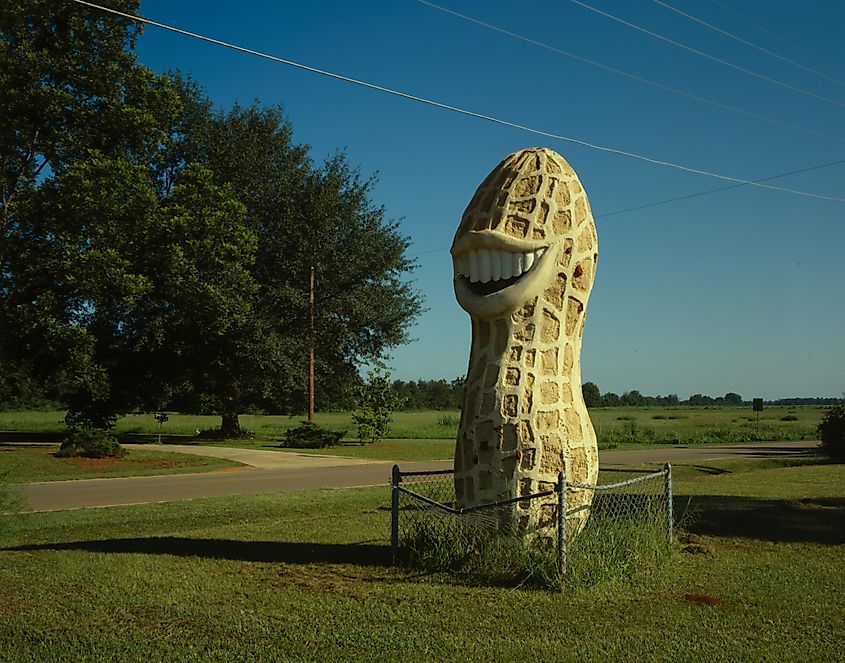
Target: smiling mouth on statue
(491, 270)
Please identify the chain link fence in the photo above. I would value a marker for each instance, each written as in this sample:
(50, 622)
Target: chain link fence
(625, 508)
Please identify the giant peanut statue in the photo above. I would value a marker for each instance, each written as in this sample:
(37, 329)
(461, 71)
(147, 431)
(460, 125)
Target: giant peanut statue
(524, 257)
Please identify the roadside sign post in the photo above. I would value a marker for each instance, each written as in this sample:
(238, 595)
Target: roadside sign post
(757, 404)
(160, 417)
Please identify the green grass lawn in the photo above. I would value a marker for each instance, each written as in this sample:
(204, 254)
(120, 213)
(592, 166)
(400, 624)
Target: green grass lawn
(427, 435)
(615, 427)
(304, 576)
(23, 464)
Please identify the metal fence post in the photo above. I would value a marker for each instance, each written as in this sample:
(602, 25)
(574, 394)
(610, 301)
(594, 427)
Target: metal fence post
(667, 494)
(395, 478)
(561, 522)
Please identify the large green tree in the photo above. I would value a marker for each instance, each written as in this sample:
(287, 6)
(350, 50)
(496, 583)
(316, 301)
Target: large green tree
(305, 216)
(69, 83)
(133, 282)
(155, 250)
(70, 89)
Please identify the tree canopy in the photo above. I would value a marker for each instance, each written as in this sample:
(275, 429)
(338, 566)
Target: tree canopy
(157, 251)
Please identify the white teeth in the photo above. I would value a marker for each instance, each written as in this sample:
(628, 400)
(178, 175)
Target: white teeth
(518, 263)
(496, 266)
(472, 267)
(506, 264)
(486, 265)
(529, 261)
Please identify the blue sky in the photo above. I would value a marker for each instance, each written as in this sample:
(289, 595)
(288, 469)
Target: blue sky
(742, 290)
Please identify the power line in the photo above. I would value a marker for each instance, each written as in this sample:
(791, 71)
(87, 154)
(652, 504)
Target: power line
(455, 109)
(707, 55)
(723, 188)
(746, 42)
(765, 30)
(621, 72)
(679, 198)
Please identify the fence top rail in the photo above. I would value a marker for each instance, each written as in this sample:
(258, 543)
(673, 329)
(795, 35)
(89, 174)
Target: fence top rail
(426, 473)
(428, 500)
(513, 500)
(620, 484)
(627, 469)
(480, 507)
(583, 486)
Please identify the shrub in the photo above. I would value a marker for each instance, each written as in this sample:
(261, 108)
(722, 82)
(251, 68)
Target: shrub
(90, 443)
(309, 435)
(831, 432)
(789, 417)
(375, 402)
(448, 421)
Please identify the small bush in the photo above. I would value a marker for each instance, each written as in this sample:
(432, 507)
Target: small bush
(789, 417)
(831, 432)
(91, 443)
(309, 435)
(630, 432)
(448, 421)
(375, 402)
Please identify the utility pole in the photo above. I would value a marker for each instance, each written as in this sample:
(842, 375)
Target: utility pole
(311, 350)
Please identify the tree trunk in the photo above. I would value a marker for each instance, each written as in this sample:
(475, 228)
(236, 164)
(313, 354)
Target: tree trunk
(230, 426)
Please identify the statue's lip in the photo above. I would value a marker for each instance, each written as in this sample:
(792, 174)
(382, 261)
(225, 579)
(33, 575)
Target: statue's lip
(485, 293)
(490, 239)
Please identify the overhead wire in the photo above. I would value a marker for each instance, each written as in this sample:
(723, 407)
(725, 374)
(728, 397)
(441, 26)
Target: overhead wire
(763, 29)
(746, 42)
(627, 74)
(455, 109)
(676, 199)
(708, 56)
(717, 190)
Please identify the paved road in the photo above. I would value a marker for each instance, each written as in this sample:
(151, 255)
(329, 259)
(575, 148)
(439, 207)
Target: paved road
(275, 471)
(693, 454)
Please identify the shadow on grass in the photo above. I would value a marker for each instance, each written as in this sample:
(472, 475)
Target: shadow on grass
(809, 520)
(359, 554)
(808, 449)
(24, 438)
(710, 470)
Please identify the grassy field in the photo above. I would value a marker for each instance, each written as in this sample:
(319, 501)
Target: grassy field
(615, 427)
(23, 464)
(304, 577)
(428, 435)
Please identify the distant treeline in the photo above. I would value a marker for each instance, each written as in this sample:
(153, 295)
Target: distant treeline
(429, 394)
(594, 398)
(21, 393)
(446, 395)
(806, 401)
